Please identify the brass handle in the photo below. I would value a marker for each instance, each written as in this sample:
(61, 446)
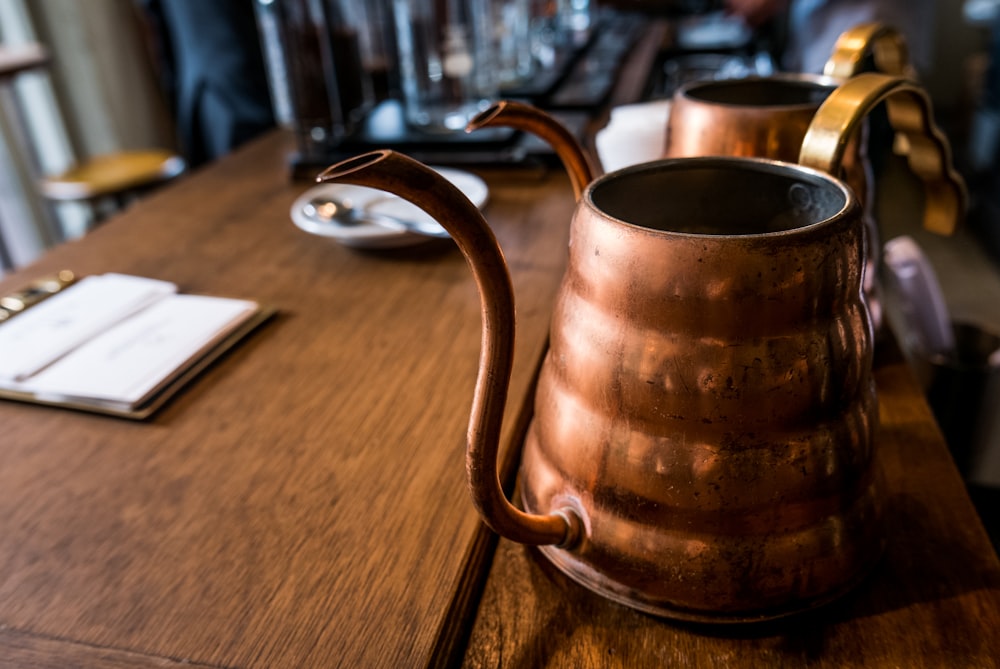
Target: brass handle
(888, 48)
(911, 115)
(413, 181)
(886, 44)
(520, 116)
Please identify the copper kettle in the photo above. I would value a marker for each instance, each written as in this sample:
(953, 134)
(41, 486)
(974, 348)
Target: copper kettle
(768, 117)
(702, 445)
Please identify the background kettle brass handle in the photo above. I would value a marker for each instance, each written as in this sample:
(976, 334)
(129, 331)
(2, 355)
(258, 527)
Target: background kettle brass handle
(413, 181)
(887, 46)
(911, 116)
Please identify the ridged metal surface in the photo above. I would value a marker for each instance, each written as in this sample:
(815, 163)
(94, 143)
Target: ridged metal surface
(707, 402)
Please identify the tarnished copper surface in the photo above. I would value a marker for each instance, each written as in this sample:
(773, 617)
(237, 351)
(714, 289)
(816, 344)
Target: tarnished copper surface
(702, 444)
(707, 402)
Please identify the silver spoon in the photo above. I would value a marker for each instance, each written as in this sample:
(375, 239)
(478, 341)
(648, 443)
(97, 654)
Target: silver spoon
(326, 209)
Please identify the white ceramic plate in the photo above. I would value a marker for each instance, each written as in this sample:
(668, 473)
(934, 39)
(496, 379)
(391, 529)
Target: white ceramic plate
(373, 235)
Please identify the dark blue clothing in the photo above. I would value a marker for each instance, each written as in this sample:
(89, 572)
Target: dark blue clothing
(214, 73)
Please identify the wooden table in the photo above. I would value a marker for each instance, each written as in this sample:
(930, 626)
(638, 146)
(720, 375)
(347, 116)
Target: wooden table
(303, 504)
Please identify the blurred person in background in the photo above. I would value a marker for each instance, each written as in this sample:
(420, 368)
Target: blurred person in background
(811, 27)
(212, 70)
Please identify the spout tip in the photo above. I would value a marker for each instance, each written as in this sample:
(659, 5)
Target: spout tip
(354, 164)
(487, 116)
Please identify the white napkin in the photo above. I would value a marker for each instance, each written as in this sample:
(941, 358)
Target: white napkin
(634, 134)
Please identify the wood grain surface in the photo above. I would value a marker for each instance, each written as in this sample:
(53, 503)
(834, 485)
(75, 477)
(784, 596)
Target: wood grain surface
(303, 503)
(30, 651)
(933, 601)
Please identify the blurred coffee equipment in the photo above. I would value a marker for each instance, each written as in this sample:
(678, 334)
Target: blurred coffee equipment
(348, 77)
(446, 62)
(315, 67)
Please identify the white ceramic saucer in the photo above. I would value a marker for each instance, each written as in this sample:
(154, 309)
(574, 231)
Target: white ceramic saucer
(373, 235)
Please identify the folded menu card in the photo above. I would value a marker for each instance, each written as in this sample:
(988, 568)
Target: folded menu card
(117, 344)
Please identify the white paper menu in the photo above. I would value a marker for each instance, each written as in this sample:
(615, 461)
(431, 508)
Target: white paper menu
(48, 330)
(113, 340)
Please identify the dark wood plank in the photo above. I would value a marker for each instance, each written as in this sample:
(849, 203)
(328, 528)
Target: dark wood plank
(933, 601)
(304, 502)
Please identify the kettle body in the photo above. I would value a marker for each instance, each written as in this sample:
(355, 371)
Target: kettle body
(706, 406)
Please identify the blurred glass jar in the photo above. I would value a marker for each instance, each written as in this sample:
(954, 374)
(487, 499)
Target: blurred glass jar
(544, 33)
(512, 41)
(378, 49)
(575, 18)
(447, 72)
(313, 53)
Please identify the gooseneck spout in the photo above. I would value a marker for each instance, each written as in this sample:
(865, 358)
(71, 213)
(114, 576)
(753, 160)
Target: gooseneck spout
(508, 113)
(413, 181)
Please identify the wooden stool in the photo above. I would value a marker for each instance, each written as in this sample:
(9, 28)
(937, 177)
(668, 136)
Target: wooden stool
(114, 176)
